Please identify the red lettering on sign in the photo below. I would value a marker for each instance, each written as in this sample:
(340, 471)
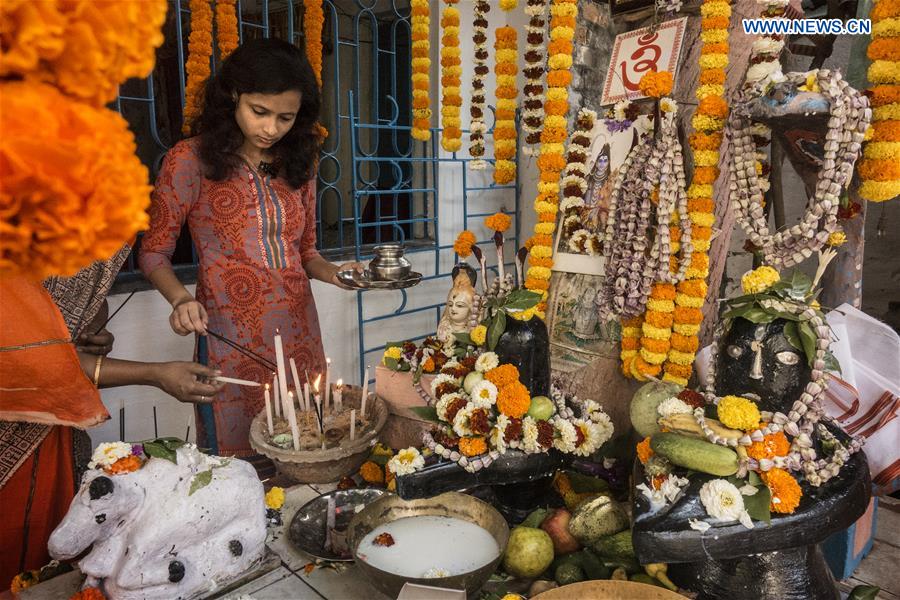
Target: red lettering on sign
(639, 65)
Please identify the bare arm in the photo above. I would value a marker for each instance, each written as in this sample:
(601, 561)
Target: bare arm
(188, 315)
(186, 381)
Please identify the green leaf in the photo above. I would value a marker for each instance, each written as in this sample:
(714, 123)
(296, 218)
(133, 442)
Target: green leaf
(800, 285)
(757, 505)
(393, 345)
(754, 479)
(831, 362)
(585, 484)
(200, 480)
(417, 375)
(864, 592)
(759, 315)
(498, 326)
(521, 299)
(464, 338)
(791, 332)
(391, 363)
(808, 340)
(429, 413)
(157, 449)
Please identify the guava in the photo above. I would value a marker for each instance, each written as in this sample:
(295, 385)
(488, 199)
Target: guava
(528, 553)
(541, 408)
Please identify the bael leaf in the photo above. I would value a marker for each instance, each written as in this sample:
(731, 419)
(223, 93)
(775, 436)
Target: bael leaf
(808, 340)
(754, 479)
(417, 375)
(391, 363)
(832, 363)
(156, 449)
(800, 285)
(464, 338)
(792, 334)
(758, 315)
(393, 345)
(429, 413)
(757, 505)
(864, 592)
(521, 299)
(200, 480)
(498, 326)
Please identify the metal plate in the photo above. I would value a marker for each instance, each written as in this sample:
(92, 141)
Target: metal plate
(307, 530)
(364, 281)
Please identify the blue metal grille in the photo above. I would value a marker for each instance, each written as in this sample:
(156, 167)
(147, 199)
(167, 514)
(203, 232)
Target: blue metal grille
(376, 184)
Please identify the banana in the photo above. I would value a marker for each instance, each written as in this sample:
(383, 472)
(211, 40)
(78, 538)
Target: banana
(686, 424)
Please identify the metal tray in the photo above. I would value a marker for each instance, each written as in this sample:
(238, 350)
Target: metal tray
(364, 281)
(307, 530)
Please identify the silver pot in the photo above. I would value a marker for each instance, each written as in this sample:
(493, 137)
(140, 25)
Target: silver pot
(389, 263)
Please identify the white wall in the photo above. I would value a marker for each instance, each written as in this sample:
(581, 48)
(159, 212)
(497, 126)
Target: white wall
(142, 330)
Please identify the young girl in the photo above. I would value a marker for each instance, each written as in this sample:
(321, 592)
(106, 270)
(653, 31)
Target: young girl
(245, 185)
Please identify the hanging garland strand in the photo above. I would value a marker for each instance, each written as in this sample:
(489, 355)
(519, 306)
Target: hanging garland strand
(199, 54)
(879, 169)
(506, 47)
(574, 187)
(451, 74)
(420, 23)
(477, 127)
(226, 28)
(313, 22)
(551, 160)
(535, 66)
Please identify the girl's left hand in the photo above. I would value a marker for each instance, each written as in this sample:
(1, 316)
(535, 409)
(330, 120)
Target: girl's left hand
(356, 266)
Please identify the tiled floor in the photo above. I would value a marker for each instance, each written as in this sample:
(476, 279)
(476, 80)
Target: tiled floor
(290, 582)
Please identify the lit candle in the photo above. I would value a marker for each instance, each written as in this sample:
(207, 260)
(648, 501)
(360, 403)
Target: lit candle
(269, 410)
(282, 371)
(327, 384)
(277, 393)
(365, 392)
(296, 377)
(339, 396)
(352, 424)
(292, 417)
(318, 403)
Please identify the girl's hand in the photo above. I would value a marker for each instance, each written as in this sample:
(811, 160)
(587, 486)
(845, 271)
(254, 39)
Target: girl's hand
(356, 266)
(188, 316)
(188, 381)
(95, 343)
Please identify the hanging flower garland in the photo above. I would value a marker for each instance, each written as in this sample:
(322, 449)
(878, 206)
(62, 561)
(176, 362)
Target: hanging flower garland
(878, 170)
(197, 66)
(420, 23)
(574, 187)
(451, 73)
(313, 22)
(535, 66)
(508, 5)
(708, 122)
(506, 47)
(227, 27)
(477, 127)
(551, 160)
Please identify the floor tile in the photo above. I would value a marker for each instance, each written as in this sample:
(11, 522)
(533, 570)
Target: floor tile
(260, 583)
(345, 583)
(289, 588)
(295, 497)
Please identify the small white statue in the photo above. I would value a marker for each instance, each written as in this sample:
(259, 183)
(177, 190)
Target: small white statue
(154, 539)
(461, 312)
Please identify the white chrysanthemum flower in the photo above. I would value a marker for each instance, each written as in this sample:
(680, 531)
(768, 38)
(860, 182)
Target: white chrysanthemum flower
(590, 435)
(767, 45)
(477, 127)
(530, 436)
(486, 362)
(435, 573)
(723, 500)
(760, 71)
(578, 241)
(605, 425)
(565, 437)
(668, 491)
(619, 109)
(461, 420)
(439, 379)
(109, 452)
(571, 202)
(445, 401)
(571, 220)
(406, 461)
(574, 180)
(577, 166)
(589, 407)
(484, 394)
(673, 406)
(497, 440)
(667, 105)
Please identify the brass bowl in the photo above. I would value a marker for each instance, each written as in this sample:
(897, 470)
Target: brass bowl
(608, 590)
(452, 504)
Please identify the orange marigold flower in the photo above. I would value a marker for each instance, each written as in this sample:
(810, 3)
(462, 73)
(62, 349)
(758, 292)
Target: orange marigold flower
(657, 481)
(662, 320)
(700, 261)
(505, 69)
(715, 48)
(879, 169)
(884, 9)
(886, 131)
(688, 315)
(701, 233)
(772, 445)
(632, 322)
(472, 446)
(705, 175)
(705, 141)
(644, 368)
(558, 78)
(884, 49)
(684, 343)
(502, 375)
(553, 162)
(555, 107)
(91, 593)
(713, 106)
(710, 23)
(428, 366)
(533, 283)
(560, 46)
(701, 205)
(662, 291)
(124, 465)
(652, 345)
(513, 400)
(644, 452)
(881, 95)
(676, 370)
(499, 222)
(695, 288)
(656, 85)
(786, 492)
(371, 472)
(631, 343)
(504, 114)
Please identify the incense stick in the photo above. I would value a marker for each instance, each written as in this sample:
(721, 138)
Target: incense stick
(115, 312)
(245, 351)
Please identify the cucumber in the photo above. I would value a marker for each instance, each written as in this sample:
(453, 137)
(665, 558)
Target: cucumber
(695, 454)
(535, 518)
(615, 546)
(568, 573)
(593, 566)
(644, 578)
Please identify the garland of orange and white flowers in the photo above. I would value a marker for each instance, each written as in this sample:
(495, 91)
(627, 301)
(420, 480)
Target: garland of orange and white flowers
(708, 123)
(551, 160)
(227, 35)
(420, 23)
(508, 5)
(451, 74)
(574, 187)
(506, 46)
(879, 170)
(313, 21)
(535, 66)
(477, 127)
(197, 66)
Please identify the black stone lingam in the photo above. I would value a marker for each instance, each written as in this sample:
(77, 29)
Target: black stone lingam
(526, 344)
(778, 561)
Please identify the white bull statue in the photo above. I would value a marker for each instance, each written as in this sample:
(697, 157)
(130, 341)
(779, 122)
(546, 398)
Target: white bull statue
(153, 539)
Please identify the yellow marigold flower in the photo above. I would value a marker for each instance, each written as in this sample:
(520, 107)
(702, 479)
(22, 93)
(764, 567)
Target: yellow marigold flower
(371, 472)
(676, 380)
(710, 89)
(715, 9)
(479, 335)
(656, 333)
(884, 71)
(686, 328)
(838, 238)
(879, 191)
(685, 300)
(738, 412)
(557, 93)
(562, 33)
(275, 498)
(713, 61)
(882, 150)
(544, 228)
(660, 305)
(759, 280)
(653, 358)
(392, 352)
(681, 358)
(706, 158)
(539, 272)
(702, 219)
(714, 36)
(786, 492)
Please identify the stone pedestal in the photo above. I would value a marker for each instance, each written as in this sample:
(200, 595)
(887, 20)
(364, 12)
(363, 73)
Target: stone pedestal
(404, 428)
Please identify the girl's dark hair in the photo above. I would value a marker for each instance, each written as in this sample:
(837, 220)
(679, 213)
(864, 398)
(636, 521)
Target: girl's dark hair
(261, 66)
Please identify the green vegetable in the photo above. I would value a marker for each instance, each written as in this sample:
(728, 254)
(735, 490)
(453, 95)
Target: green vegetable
(535, 518)
(568, 573)
(593, 566)
(864, 592)
(631, 566)
(595, 518)
(618, 545)
(644, 578)
(695, 454)
(644, 402)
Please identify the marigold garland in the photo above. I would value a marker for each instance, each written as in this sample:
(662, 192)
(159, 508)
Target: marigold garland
(535, 67)
(227, 35)
(472, 446)
(313, 22)
(506, 46)
(550, 159)
(879, 175)
(73, 190)
(420, 24)
(84, 49)
(477, 127)
(451, 79)
(574, 186)
(197, 65)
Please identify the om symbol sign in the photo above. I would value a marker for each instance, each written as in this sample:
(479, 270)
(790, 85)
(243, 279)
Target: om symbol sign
(644, 58)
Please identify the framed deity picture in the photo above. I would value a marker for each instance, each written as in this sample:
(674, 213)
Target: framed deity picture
(636, 52)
